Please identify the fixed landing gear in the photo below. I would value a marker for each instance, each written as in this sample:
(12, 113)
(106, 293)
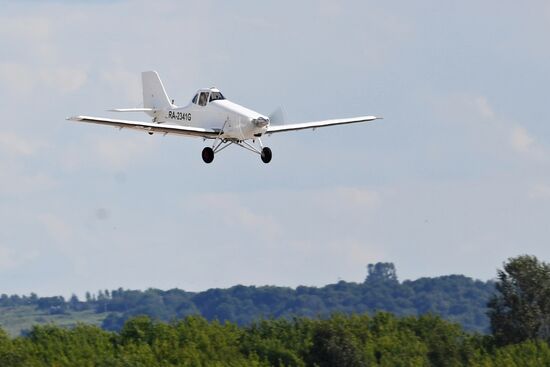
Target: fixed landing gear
(220, 144)
(208, 155)
(266, 155)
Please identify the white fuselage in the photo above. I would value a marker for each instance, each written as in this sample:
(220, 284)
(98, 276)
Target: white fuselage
(237, 122)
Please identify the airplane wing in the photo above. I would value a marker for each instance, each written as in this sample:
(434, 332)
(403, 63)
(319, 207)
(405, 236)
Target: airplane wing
(150, 126)
(316, 124)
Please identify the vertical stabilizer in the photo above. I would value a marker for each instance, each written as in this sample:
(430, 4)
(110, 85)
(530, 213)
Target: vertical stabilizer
(154, 95)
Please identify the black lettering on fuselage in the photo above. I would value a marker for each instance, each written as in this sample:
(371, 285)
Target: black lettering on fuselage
(180, 116)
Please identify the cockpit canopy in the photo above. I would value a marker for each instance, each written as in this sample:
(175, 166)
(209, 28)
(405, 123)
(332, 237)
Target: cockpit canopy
(205, 96)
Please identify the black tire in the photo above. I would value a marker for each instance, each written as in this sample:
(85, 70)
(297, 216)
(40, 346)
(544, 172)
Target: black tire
(207, 155)
(266, 155)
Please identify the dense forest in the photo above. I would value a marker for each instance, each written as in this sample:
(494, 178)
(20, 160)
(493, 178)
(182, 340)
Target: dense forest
(455, 298)
(342, 341)
(518, 310)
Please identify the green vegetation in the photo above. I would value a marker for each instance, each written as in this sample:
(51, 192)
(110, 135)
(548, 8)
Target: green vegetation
(455, 298)
(521, 308)
(353, 340)
(19, 319)
(519, 313)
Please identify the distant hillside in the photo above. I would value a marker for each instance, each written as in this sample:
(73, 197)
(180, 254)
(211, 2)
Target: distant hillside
(455, 298)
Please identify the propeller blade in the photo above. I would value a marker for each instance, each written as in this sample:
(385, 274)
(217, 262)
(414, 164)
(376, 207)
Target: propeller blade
(278, 116)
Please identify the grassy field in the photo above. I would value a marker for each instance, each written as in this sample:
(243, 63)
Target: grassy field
(14, 320)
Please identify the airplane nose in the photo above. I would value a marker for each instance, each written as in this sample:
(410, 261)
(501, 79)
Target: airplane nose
(260, 121)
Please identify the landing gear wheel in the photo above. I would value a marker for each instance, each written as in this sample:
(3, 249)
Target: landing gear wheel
(266, 155)
(207, 155)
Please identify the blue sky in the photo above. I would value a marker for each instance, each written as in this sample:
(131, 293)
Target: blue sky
(455, 179)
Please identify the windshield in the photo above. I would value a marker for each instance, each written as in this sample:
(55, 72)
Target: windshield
(215, 96)
(203, 98)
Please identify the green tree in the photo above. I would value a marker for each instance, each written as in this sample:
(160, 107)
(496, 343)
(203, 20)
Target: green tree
(394, 343)
(335, 345)
(381, 272)
(140, 329)
(520, 310)
(279, 342)
(445, 341)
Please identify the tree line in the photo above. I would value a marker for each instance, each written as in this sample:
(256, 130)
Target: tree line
(519, 312)
(455, 298)
(340, 340)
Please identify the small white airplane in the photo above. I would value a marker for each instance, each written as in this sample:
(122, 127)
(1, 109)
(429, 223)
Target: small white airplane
(209, 116)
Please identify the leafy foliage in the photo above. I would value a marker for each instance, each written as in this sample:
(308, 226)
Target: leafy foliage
(273, 326)
(455, 298)
(340, 340)
(521, 309)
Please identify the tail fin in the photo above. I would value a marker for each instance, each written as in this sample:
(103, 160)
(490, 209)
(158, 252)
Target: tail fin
(154, 95)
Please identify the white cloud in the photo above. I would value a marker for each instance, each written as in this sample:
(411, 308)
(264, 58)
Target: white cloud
(15, 174)
(361, 198)
(63, 79)
(488, 130)
(330, 8)
(35, 59)
(520, 139)
(237, 214)
(107, 148)
(318, 218)
(14, 181)
(27, 37)
(540, 191)
(252, 215)
(16, 78)
(25, 28)
(360, 253)
(484, 108)
(119, 152)
(7, 259)
(25, 79)
(318, 234)
(10, 259)
(13, 144)
(465, 107)
(523, 143)
(128, 82)
(56, 227)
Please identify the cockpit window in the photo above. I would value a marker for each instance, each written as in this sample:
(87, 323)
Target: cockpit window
(214, 96)
(203, 98)
(195, 98)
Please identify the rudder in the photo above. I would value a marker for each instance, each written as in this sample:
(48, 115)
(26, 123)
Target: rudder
(154, 94)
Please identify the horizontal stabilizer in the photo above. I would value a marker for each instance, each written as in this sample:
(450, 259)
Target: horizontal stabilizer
(131, 110)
